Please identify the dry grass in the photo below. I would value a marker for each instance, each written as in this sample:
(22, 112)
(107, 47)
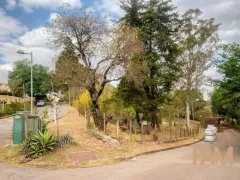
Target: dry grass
(76, 126)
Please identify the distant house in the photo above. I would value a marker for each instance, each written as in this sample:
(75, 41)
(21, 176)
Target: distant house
(4, 87)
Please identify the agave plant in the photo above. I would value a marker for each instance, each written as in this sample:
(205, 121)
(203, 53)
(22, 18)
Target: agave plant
(35, 151)
(46, 141)
(38, 143)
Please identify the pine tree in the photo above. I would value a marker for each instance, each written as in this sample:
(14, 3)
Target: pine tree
(158, 25)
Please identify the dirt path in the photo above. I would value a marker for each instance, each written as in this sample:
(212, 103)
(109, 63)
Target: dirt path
(172, 164)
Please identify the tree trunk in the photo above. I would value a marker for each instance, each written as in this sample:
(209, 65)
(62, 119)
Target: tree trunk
(98, 119)
(138, 119)
(154, 121)
(187, 112)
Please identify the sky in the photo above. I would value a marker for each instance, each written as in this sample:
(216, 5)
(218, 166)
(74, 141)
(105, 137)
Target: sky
(22, 24)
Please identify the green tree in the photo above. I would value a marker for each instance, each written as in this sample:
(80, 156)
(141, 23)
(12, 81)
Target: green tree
(69, 70)
(21, 77)
(226, 96)
(198, 38)
(158, 25)
(176, 106)
(115, 108)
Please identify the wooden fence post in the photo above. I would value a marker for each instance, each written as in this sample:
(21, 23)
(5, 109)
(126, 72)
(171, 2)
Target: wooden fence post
(175, 133)
(104, 123)
(130, 131)
(117, 129)
(88, 120)
(184, 132)
(170, 133)
(180, 133)
(193, 133)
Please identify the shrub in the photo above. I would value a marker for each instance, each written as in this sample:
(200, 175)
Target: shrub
(16, 106)
(38, 143)
(35, 151)
(46, 141)
(8, 110)
(65, 140)
(5, 93)
(44, 125)
(13, 107)
(25, 146)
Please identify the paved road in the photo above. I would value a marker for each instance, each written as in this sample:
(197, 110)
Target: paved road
(6, 124)
(5, 131)
(62, 110)
(174, 164)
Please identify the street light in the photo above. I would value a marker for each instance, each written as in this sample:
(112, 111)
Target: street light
(192, 108)
(20, 51)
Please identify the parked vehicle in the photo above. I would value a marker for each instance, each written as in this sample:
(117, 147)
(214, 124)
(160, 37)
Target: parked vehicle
(60, 99)
(40, 103)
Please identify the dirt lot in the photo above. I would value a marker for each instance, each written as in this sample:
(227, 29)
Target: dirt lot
(89, 151)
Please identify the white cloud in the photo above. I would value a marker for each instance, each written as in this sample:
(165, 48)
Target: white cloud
(212, 72)
(41, 54)
(34, 41)
(35, 38)
(225, 12)
(53, 16)
(11, 4)
(9, 26)
(108, 7)
(8, 51)
(3, 75)
(6, 67)
(29, 5)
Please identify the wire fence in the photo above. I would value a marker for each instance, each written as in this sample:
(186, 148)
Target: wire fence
(169, 133)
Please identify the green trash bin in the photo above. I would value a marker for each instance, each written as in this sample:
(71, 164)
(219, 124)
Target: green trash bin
(18, 128)
(34, 123)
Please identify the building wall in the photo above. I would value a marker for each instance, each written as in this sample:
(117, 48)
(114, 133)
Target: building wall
(13, 99)
(4, 87)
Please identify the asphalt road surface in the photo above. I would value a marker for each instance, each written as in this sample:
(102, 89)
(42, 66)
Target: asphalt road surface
(5, 131)
(61, 109)
(7, 123)
(174, 164)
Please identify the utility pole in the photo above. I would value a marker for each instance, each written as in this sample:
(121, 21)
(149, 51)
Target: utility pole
(31, 83)
(31, 54)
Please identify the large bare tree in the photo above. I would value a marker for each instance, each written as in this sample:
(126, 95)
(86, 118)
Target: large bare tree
(198, 39)
(104, 52)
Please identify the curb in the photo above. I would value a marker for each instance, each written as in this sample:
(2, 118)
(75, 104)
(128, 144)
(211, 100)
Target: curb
(155, 151)
(6, 116)
(237, 130)
(65, 113)
(51, 119)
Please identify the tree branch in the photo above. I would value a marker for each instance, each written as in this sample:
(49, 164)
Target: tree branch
(111, 80)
